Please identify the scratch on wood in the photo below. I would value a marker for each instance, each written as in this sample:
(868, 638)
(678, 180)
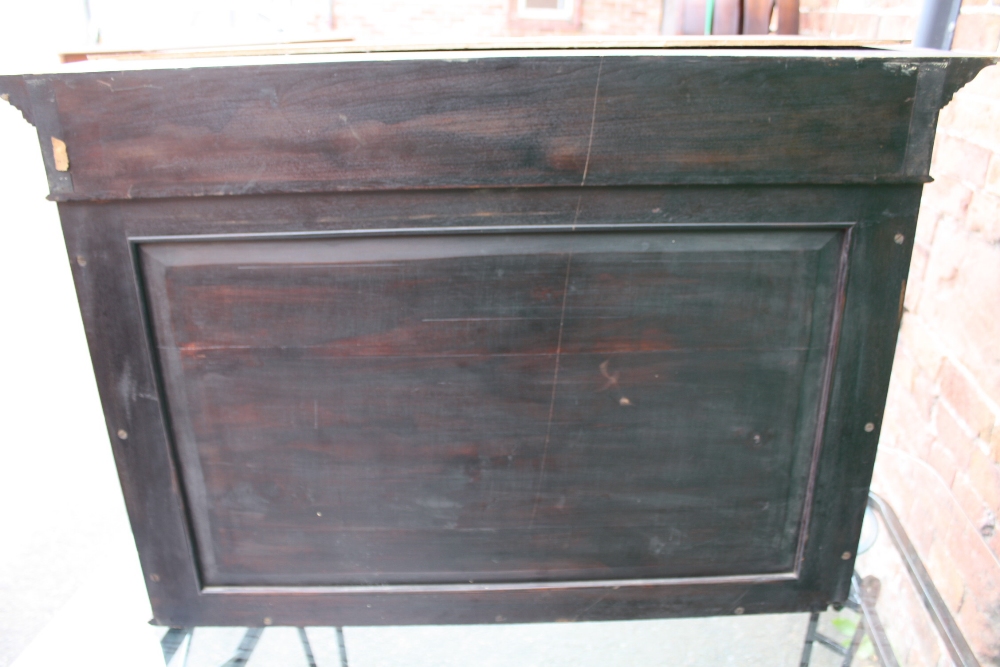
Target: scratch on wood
(350, 129)
(552, 398)
(590, 140)
(612, 380)
(59, 154)
(593, 119)
(590, 606)
(478, 319)
(111, 87)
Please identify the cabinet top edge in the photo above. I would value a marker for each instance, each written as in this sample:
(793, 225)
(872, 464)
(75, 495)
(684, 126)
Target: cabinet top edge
(763, 48)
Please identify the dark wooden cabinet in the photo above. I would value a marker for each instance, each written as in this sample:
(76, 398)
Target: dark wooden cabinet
(493, 336)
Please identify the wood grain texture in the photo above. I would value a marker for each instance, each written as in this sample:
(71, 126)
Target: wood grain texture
(495, 408)
(498, 337)
(490, 120)
(171, 549)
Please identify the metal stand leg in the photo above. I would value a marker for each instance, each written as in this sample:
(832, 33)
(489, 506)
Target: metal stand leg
(811, 633)
(342, 645)
(852, 650)
(864, 595)
(868, 590)
(306, 647)
(172, 641)
(246, 647)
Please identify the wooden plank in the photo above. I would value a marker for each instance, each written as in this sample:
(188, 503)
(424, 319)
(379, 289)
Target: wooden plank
(492, 122)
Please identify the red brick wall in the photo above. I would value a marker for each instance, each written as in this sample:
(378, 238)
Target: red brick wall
(460, 20)
(621, 17)
(430, 20)
(868, 19)
(939, 454)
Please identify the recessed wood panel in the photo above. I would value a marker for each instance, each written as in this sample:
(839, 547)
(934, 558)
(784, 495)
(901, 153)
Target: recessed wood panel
(494, 408)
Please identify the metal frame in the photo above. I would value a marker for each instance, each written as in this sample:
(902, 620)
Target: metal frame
(864, 595)
(862, 599)
(944, 622)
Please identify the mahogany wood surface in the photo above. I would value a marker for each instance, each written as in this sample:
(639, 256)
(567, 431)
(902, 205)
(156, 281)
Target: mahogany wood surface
(489, 120)
(493, 408)
(518, 337)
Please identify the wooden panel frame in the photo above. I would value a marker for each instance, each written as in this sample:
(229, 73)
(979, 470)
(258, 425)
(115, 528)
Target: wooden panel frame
(101, 239)
(152, 258)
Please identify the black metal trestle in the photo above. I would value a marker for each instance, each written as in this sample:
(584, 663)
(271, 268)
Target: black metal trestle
(174, 639)
(864, 595)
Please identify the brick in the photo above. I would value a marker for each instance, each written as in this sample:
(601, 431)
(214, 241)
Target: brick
(947, 254)
(981, 627)
(994, 443)
(943, 460)
(925, 393)
(946, 194)
(974, 560)
(916, 652)
(961, 159)
(905, 426)
(614, 17)
(973, 505)
(938, 508)
(977, 32)
(984, 216)
(904, 369)
(816, 24)
(952, 435)
(927, 220)
(922, 347)
(915, 280)
(946, 577)
(975, 117)
(812, 6)
(901, 480)
(993, 174)
(985, 477)
(398, 19)
(987, 82)
(958, 389)
(896, 27)
(961, 297)
(903, 7)
(861, 26)
(947, 115)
